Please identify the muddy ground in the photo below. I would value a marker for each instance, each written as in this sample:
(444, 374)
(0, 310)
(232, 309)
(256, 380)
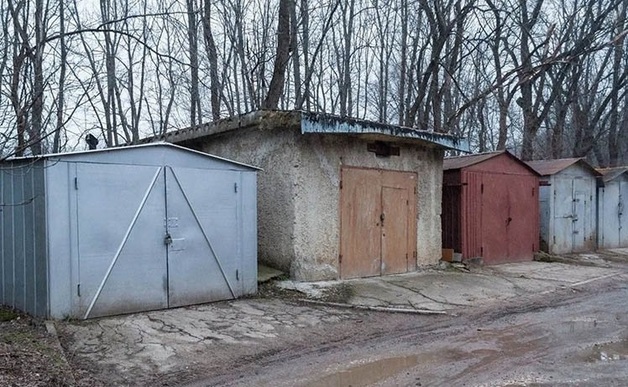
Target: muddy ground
(566, 338)
(29, 356)
(576, 335)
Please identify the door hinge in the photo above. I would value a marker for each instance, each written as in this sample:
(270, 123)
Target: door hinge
(235, 187)
(482, 250)
(415, 190)
(482, 188)
(340, 258)
(237, 275)
(414, 254)
(78, 290)
(340, 184)
(76, 183)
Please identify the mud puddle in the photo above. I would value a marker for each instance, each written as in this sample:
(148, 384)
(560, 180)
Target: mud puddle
(368, 373)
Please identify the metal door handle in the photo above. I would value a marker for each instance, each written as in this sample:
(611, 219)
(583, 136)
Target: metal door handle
(168, 239)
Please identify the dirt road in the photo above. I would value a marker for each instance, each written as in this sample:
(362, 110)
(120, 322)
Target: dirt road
(570, 337)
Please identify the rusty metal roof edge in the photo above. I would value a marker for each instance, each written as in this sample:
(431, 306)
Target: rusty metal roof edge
(489, 155)
(323, 123)
(612, 173)
(576, 160)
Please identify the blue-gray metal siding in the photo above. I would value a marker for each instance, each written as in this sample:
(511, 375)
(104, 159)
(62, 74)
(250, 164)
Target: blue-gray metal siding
(23, 262)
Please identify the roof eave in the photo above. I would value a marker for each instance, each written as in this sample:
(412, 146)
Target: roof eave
(324, 124)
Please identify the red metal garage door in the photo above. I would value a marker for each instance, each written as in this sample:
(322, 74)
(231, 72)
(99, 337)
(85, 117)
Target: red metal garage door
(509, 218)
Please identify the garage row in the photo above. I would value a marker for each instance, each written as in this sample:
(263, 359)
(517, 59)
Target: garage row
(161, 225)
(500, 209)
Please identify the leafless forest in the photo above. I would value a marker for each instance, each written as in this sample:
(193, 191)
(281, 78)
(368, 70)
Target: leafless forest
(544, 78)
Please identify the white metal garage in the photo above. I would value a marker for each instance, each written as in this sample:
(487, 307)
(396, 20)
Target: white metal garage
(613, 208)
(567, 196)
(133, 229)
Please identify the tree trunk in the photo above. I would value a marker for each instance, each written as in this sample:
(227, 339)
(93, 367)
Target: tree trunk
(56, 143)
(195, 103)
(212, 54)
(275, 89)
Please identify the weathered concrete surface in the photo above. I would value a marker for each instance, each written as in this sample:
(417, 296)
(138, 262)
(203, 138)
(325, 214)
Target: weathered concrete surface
(299, 194)
(441, 290)
(173, 346)
(317, 212)
(137, 347)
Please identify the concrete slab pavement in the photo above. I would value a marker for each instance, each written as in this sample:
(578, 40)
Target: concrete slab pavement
(169, 341)
(446, 290)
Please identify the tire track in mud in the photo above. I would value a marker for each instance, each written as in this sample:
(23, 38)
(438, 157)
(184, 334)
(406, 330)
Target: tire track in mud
(400, 329)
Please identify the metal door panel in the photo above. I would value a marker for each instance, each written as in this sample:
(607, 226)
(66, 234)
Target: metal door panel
(360, 206)
(562, 230)
(204, 256)
(522, 222)
(622, 213)
(472, 216)
(394, 230)
(121, 256)
(378, 222)
(582, 230)
(495, 214)
(610, 226)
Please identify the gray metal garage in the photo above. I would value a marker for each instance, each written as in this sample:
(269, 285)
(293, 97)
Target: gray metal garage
(567, 196)
(122, 230)
(612, 208)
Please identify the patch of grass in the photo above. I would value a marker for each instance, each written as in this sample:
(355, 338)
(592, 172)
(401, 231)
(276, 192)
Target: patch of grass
(7, 315)
(271, 290)
(340, 293)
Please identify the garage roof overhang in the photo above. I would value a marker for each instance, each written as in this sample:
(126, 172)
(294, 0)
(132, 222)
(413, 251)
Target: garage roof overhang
(157, 144)
(552, 167)
(610, 174)
(317, 123)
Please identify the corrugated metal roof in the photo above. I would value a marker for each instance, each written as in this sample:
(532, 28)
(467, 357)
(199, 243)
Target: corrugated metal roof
(609, 174)
(459, 162)
(330, 124)
(309, 122)
(551, 167)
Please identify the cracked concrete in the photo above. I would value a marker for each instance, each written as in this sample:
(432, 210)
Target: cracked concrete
(146, 346)
(164, 341)
(443, 290)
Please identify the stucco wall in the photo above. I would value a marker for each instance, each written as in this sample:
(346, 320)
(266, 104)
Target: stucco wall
(299, 214)
(274, 151)
(318, 177)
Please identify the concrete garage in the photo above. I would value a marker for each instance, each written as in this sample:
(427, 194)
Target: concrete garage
(490, 207)
(567, 195)
(338, 198)
(613, 208)
(122, 230)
